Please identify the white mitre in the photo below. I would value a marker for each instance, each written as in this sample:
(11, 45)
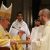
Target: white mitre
(4, 11)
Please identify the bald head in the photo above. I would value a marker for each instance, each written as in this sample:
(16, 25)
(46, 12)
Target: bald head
(44, 15)
(45, 12)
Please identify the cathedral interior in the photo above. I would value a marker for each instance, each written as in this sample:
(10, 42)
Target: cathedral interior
(29, 8)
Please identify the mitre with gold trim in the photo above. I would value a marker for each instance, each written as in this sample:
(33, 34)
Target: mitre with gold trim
(5, 12)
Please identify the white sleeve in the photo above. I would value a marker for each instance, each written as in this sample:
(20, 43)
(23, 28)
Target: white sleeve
(32, 36)
(27, 31)
(11, 27)
(13, 31)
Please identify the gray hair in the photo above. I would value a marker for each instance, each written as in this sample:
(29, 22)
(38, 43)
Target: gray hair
(45, 11)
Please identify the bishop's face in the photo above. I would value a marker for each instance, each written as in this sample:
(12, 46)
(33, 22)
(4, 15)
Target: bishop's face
(5, 23)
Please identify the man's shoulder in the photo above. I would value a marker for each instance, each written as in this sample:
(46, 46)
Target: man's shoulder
(47, 28)
(35, 27)
(24, 23)
(14, 22)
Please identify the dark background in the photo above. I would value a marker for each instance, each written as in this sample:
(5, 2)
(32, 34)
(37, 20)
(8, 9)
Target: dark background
(30, 9)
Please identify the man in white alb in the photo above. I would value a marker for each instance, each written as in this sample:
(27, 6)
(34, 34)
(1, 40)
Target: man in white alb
(17, 24)
(43, 42)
